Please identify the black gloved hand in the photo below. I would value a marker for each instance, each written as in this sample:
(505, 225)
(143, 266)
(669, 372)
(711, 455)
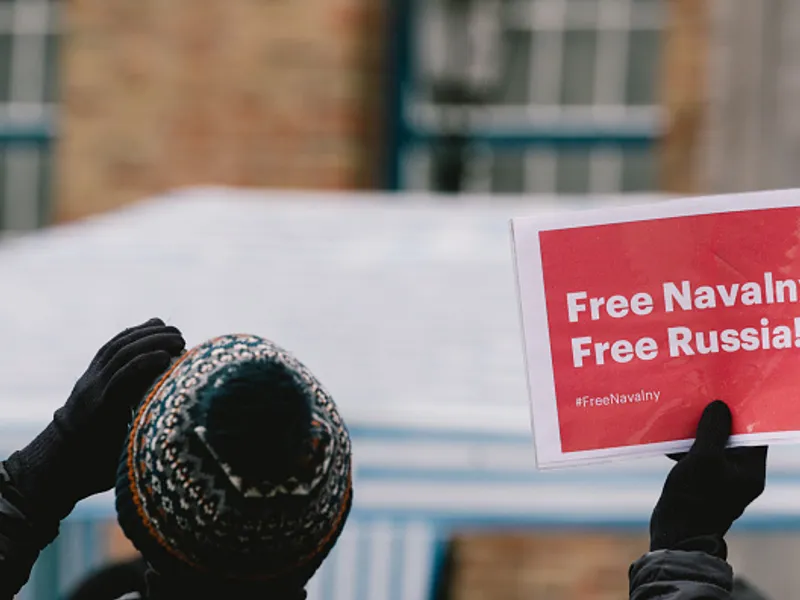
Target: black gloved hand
(709, 488)
(76, 455)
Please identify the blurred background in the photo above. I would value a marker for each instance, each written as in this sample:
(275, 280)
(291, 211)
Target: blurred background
(343, 171)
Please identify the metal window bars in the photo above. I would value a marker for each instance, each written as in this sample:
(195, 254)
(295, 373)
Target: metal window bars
(575, 79)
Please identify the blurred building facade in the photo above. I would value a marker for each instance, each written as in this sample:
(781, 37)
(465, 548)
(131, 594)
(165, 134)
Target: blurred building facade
(562, 95)
(533, 96)
(751, 138)
(102, 103)
(29, 57)
(158, 95)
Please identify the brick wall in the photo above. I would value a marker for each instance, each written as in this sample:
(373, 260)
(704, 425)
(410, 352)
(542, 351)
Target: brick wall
(158, 95)
(557, 566)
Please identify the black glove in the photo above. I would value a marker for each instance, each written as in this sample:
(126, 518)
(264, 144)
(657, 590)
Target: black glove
(708, 489)
(77, 454)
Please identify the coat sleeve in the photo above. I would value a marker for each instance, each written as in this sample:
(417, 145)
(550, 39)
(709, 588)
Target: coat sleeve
(21, 540)
(680, 575)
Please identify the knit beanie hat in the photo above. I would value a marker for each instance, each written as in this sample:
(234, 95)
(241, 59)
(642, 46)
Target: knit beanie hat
(237, 467)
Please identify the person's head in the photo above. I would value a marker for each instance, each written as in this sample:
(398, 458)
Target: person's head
(237, 468)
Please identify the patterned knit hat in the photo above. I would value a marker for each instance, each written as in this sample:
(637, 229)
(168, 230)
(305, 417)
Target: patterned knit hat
(237, 466)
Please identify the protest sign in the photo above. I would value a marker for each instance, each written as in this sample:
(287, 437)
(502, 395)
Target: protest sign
(635, 318)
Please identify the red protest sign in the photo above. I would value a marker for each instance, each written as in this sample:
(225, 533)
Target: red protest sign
(632, 327)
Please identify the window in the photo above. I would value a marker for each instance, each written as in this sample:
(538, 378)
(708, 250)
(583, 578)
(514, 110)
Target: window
(28, 61)
(577, 67)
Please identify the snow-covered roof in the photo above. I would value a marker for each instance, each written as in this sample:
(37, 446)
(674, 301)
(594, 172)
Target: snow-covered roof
(404, 306)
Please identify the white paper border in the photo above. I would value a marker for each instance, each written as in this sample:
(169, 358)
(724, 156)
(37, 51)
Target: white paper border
(533, 315)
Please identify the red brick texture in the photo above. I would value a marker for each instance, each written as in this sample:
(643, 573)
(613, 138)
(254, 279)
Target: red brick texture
(557, 566)
(257, 93)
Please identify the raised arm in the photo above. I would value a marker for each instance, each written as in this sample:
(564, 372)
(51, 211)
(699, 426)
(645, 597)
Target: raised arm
(77, 454)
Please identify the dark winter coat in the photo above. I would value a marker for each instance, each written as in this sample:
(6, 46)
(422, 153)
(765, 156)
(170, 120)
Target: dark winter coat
(680, 575)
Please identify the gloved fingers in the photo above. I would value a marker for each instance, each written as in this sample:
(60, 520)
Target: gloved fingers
(165, 338)
(713, 430)
(131, 382)
(112, 346)
(107, 350)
